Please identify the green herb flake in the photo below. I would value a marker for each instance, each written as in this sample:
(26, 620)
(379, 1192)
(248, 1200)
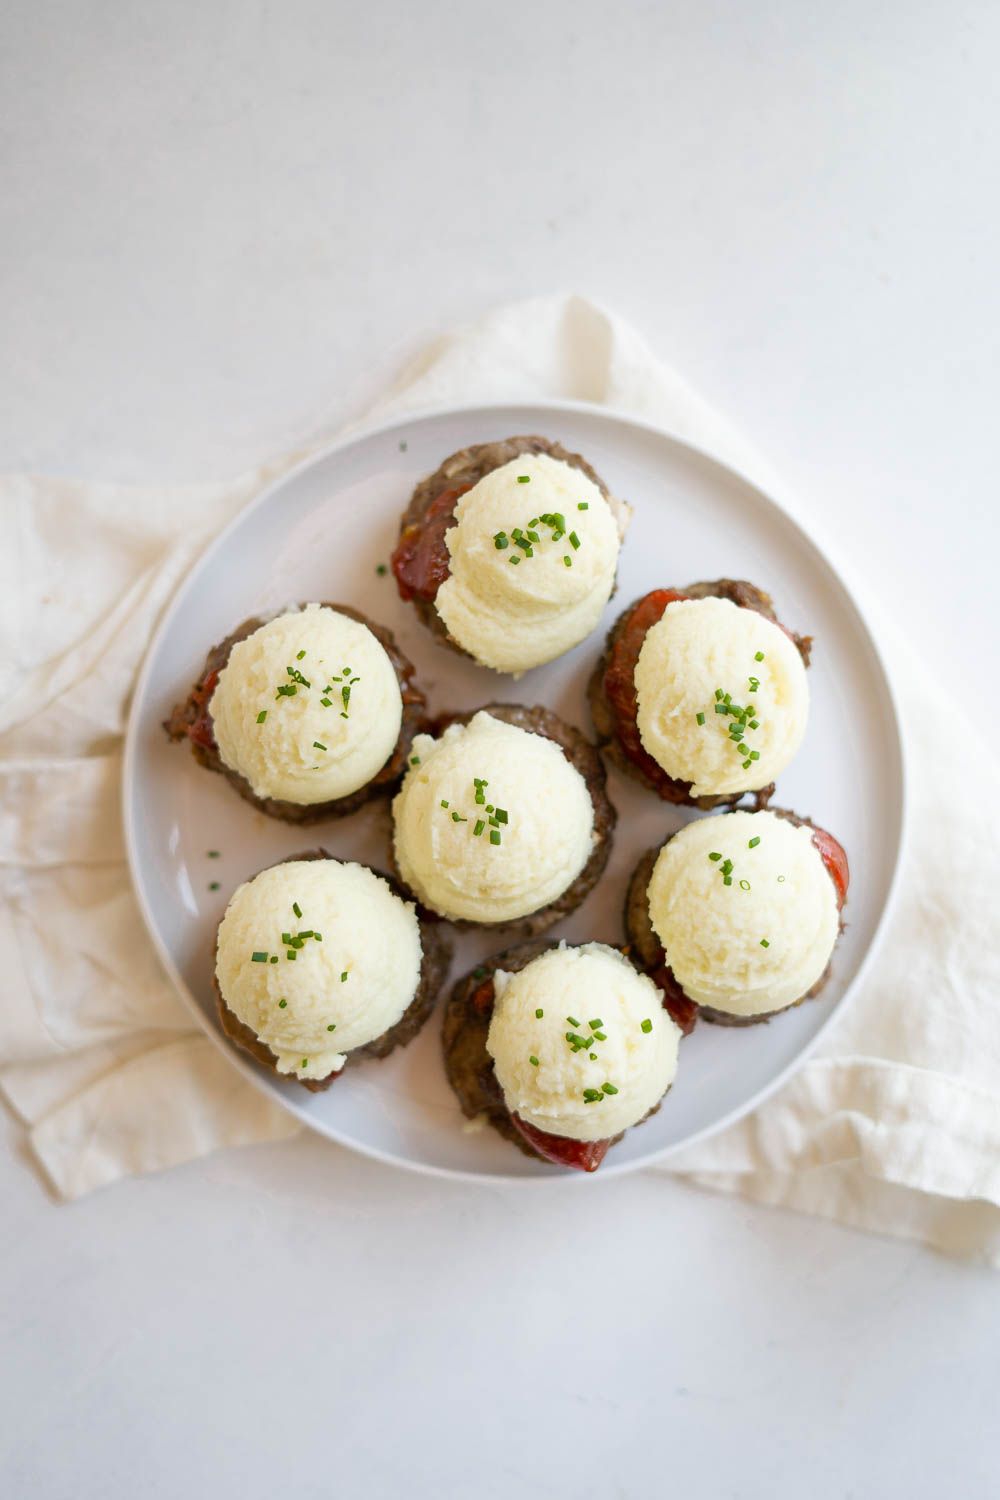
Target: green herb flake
(700, 718)
(262, 716)
(524, 478)
(646, 1026)
(539, 1013)
(764, 943)
(533, 1060)
(258, 958)
(381, 569)
(754, 841)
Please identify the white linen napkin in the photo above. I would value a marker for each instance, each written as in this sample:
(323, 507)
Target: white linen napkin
(893, 1124)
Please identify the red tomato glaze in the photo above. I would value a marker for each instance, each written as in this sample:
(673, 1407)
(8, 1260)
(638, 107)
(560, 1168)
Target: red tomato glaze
(200, 729)
(585, 1156)
(619, 680)
(834, 857)
(675, 1002)
(420, 562)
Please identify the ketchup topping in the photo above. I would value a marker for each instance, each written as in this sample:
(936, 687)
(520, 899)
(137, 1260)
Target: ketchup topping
(421, 562)
(200, 729)
(585, 1156)
(675, 1002)
(619, 680)
(833, 856)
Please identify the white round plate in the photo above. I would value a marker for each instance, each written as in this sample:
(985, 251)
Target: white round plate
(320, 533)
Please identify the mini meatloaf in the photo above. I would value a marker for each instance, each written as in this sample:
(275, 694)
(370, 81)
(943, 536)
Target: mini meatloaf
(561, 1049)
(736, 917)
(308, 714)
(509, 551)
(503, 819)
(320, 964)
(701, 694)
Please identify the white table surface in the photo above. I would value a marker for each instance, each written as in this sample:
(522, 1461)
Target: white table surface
(224, 224)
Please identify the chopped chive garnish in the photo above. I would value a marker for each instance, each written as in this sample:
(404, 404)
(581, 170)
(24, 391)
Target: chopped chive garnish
(567, 560)
(282, 1004)
(456, 817)
(514, 559)
(592, 1096)
(700, 718)
(332, 1026)
(727, 867)
(524, 478)
(445, 803)
(780, 879)
(318, 746)
(759, 656)
(327, 702)
(299, 655)
(583, 505)
(213, 885)
(754, 841)
(744, 885)
(501, 815)
(754, 723)
(296, 908)
(533, 1060)
(755, 755)
(262, 716)
(600, 1036)
(727, 880)
(258, 958)
(574, 541)
(343, 977)
(213, 854)
(609, 1088)
(274, 958)
(747, 764)
(381, 569)
(414, 760)
(539, 1013)
(480, 825)
(715, 855)
(595, 1023)
(494, 836)
(305, 1062)
(764, 943)
(572, 1020)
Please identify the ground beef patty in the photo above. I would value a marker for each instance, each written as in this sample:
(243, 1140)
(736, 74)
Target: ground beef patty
(191, 720)
(611, 691)
(436, 948)
(469, 1065)
(420, 561)
(646, 950)
(579, 751)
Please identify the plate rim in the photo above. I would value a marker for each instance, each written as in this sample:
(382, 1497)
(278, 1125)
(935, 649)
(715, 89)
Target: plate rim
(486, 410)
